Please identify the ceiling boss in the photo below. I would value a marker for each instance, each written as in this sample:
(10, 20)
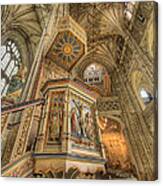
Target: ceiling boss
(69, 45)
(67, 49)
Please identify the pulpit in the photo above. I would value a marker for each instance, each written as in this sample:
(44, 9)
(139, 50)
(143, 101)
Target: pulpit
(69, 136)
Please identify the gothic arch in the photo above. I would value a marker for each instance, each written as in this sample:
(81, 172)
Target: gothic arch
(100, 55)
(24, 49)
(139, 81)
(23, 45)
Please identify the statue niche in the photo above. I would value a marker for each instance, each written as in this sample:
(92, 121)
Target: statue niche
(82, 122)
(56, 117)
(75, 122)
(90, 128)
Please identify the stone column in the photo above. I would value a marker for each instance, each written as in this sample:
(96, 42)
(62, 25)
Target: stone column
(43, 126)
(100, 137)
(36, 120)
(136, 128)
(68, 123)
(45, 41)
(133, 148)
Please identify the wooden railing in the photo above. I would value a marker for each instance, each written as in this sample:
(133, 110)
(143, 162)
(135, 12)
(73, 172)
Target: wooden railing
(21, 106)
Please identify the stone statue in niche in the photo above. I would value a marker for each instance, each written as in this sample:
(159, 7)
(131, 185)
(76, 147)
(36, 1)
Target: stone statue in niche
(76, 129)
(52, 128)
(56, 119)
(82, 122)
(90, 128)
(78, 109)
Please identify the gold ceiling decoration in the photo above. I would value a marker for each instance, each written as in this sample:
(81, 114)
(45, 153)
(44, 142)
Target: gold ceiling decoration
(69, 45)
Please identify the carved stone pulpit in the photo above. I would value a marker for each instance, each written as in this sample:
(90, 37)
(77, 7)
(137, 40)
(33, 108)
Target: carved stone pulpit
(69, 135)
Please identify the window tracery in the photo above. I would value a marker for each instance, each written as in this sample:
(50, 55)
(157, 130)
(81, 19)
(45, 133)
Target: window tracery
(94, 74)
(10, 63)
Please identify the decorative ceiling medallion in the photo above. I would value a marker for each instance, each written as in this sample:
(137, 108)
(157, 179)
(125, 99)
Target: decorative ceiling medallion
(67, 49)
(69, 45)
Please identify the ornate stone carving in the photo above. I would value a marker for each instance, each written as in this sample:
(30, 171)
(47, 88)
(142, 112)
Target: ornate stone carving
(108, 104)
(22, 136)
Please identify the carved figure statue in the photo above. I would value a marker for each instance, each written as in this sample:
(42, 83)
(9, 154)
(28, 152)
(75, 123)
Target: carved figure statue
(56, 120)
(74, 122)
(90, 130)
(81, 121)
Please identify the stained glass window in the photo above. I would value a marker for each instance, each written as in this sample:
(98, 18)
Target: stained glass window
(10, 62)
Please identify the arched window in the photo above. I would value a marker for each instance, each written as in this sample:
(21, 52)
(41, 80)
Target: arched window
(94, 73)
(10, 62)
(145, 96)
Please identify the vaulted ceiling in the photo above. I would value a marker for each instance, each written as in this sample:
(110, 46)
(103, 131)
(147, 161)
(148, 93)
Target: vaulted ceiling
(103, 23)
(24, 24)
(99, 19)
